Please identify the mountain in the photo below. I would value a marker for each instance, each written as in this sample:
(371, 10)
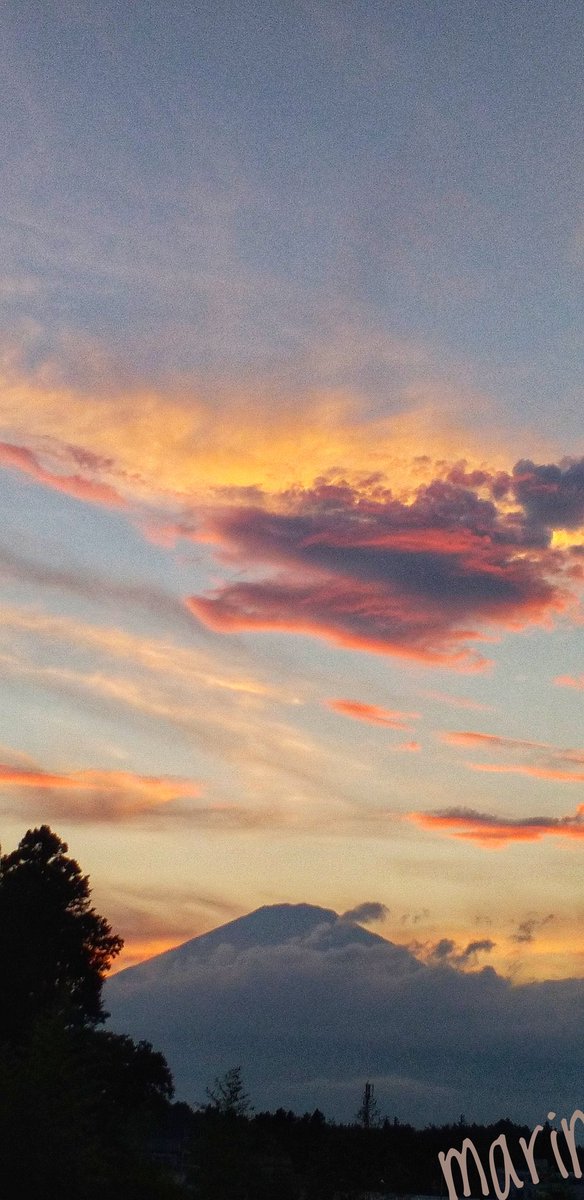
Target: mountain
(311, 1004)
(271, 925)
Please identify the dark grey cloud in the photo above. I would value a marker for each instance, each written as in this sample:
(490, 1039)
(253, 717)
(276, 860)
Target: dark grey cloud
(373, 573)
(551, 495)
(366, 913)
(526, 930)
(446, 951)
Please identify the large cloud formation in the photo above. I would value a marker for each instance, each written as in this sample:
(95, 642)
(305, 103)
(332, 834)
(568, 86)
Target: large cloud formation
(376, 564)
(424, 579)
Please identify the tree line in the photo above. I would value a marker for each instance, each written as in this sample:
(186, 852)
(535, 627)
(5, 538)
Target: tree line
(90, 1114)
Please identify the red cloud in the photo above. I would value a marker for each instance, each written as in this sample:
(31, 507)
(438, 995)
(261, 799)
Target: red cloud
(18, 458)
(570, 681)
(373, 714)
(421, 580)
(355, 616)
(492, 832)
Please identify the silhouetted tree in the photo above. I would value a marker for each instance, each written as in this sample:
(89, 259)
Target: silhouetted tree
(55, 949)
(78, 1105)
(228, 1095)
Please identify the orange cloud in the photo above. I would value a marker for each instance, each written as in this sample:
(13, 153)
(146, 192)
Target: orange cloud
(373, 714)
(188, 440)
(492, 832)
(101, 795)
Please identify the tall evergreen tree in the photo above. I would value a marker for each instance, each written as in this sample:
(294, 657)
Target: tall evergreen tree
(55, 949)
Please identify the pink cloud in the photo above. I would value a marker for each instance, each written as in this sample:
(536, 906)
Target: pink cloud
(370, 572)
(373, 714)
(19, 458)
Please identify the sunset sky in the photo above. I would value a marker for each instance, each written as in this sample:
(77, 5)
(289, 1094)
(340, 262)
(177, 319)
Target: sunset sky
(292, 463)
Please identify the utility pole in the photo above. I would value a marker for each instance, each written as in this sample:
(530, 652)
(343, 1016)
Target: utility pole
(367, 1115)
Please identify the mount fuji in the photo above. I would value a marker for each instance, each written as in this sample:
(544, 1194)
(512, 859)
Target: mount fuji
(310, 1004)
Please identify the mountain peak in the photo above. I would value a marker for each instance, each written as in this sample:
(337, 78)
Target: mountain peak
(270, 925)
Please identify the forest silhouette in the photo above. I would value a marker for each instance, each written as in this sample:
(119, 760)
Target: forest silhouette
(90, 1114)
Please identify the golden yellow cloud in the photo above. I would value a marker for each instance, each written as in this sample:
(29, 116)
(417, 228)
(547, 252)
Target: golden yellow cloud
(188, 442)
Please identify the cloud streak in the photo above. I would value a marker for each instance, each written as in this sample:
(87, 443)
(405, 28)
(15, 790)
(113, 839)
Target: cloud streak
(21, 459)
(94, 796)
(493, 832)
(373, 714)
(490, 741)
(551, 762)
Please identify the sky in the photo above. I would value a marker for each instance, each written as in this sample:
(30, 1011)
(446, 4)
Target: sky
(292, 464)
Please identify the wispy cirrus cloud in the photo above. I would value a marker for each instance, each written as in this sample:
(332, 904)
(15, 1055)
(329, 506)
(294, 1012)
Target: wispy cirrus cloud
(93, 795)
(542, 760)
(453, 701)
(492, 832)
(93, 585)
(187, 439)
(232, 723)
(103, 796)
(374, 714)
